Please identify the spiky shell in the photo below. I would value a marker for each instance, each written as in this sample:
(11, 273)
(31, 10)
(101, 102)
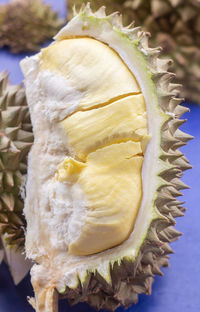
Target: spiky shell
(175, 26)
(111, 6)
(108, 279)
(15, 141)
(25, 25)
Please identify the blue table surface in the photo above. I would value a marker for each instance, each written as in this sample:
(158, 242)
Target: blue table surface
(178, 290)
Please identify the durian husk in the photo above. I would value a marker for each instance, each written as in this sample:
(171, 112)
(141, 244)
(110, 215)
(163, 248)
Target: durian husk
(110, 5)
(26, 24)
(129, 277)
(174, 25)
(15, 142)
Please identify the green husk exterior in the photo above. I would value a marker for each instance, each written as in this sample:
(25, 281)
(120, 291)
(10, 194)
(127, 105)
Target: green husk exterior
(129, 276)
(15, 142)
(110, 5)
(26, 24)
(174, 25)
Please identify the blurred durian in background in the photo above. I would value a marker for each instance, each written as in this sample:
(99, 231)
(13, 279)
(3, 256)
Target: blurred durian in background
(26, 24)
(174, 25)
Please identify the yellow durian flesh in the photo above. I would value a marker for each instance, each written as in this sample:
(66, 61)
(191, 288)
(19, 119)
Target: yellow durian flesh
(107, 134)
(124, 119)
(111, 181)
(91, 68)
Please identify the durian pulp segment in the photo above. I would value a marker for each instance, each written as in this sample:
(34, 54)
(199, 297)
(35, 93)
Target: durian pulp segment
(111, 182)
(91, 68)
(107, 134)
(124, 119)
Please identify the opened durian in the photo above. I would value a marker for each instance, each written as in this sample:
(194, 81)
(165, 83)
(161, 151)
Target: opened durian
(104, 169)
(16, 139)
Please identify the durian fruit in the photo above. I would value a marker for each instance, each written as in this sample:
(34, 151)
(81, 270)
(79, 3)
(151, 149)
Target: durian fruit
(26, 24)
(15, 141)
(104, 170)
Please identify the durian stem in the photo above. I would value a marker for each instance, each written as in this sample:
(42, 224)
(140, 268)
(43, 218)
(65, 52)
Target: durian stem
(46, 299)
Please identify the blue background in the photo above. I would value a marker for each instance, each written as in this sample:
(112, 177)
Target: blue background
(178, 290)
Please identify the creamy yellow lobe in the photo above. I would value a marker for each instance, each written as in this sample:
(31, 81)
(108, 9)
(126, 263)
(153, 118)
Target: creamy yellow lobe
(85, 63)
(124, 119)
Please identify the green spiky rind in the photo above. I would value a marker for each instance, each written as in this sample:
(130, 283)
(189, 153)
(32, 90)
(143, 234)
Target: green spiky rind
(15, 141)
(111, 6)
(26, 24)
(131, 276)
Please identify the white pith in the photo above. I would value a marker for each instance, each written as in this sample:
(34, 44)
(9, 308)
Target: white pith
(69, 266)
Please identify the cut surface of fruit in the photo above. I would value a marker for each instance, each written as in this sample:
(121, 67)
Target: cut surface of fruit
(106, 133)
(104, 168)
(110, 176)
